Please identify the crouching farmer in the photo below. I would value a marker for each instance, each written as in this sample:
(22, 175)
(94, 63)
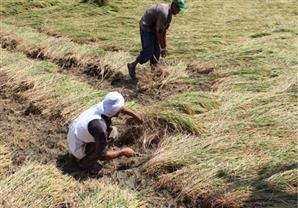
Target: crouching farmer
(89, 134)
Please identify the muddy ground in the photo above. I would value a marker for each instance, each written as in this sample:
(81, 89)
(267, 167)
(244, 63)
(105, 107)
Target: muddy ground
(28, 136)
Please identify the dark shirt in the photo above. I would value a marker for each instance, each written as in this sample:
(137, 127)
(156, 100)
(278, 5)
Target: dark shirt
(98, 128)
(157, 18)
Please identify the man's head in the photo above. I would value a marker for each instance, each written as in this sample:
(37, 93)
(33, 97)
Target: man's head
(177, 6)
(113, 103)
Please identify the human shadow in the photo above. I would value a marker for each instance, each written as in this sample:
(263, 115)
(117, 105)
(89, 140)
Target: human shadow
(121, 81)
(69, 166)
(264, 194)
(98, 2)
(267, 195)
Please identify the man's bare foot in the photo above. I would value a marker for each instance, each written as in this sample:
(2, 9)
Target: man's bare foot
(103, 172)
(153, 67)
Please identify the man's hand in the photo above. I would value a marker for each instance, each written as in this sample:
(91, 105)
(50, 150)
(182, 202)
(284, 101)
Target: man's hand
(164, 52)
(139, 117)
(128, 152)
(136, 116)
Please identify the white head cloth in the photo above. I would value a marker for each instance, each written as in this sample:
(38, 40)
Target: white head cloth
(113, 102)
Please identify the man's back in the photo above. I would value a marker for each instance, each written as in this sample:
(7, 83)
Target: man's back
(156, 16)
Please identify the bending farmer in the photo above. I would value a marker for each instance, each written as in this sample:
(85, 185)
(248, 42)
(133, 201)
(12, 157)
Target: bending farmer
(153, 27)
(89, 134)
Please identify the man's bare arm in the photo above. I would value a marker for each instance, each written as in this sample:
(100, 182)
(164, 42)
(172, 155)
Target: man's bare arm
(161, 39)
(164, 36)
(131, 113)
(127, 152)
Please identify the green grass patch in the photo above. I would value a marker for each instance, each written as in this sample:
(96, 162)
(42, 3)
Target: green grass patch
(54, 47)
(177, 120)
(192, 102)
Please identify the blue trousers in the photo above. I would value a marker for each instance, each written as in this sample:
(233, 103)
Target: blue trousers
(150, 48)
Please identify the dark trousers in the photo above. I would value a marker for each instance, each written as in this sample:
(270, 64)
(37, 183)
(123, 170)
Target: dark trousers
(150, 48)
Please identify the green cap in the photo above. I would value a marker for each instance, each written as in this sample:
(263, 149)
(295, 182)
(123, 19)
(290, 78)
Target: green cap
(179, 3)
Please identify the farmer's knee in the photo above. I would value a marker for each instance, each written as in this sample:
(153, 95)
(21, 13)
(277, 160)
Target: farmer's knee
(114, 133)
